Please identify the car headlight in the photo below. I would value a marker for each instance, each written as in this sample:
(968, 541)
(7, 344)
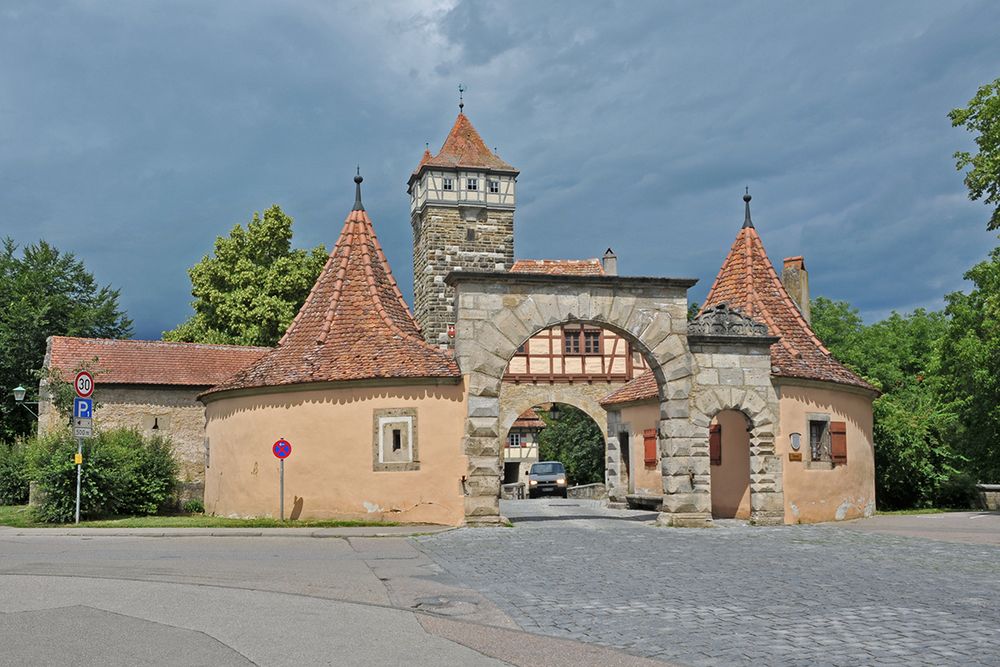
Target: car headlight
(533, 482)
(561, 480)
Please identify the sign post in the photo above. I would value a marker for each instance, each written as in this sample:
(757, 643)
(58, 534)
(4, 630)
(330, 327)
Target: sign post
(281, 449)
(83, 414)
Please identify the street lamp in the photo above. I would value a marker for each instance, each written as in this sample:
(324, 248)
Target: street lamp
(554, 412)
(19, 393)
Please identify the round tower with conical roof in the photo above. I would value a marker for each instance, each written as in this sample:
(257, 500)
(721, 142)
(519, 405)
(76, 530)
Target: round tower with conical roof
(462, 204)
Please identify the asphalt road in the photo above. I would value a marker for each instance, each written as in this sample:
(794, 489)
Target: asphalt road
(289, 600)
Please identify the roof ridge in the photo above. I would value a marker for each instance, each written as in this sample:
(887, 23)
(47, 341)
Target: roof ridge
(172, 343)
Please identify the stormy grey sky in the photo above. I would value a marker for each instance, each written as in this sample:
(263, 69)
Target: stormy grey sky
(134, 133)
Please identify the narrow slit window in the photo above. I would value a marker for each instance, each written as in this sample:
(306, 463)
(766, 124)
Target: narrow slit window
(397, 440)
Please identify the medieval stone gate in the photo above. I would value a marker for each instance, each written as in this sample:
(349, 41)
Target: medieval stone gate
(497, 312)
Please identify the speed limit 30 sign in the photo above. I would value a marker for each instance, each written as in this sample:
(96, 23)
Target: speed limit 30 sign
(84, 384)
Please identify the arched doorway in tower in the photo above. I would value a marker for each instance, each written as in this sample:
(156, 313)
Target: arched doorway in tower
(729, 458)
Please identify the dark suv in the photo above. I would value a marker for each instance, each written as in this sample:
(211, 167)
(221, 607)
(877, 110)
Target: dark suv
(547, 477)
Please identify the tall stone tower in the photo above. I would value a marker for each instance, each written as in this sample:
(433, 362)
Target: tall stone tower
(462, 212)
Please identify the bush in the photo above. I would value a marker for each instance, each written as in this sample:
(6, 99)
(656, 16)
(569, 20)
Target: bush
(124, 473)
(194, 506)
(13, 474)
(958, 492)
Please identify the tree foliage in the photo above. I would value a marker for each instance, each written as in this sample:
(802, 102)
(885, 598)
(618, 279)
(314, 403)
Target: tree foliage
(249, 290)
(576, 441)
(982, 116)
(970, 361)
(915, 455)
(44, 292)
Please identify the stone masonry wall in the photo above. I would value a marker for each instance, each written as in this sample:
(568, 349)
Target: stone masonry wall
(174, 410)
(441, 244)
(734, 377)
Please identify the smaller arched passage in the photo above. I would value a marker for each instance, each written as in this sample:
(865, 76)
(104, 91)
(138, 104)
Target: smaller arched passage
(554, 432)
(729, 458)
(757, 405)
(497, 312)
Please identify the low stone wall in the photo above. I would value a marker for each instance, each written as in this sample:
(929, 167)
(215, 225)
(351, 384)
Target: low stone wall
(591, 491)
(989, 496)
(513, 491)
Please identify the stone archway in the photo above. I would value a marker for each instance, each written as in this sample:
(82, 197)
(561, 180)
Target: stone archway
(496, 312)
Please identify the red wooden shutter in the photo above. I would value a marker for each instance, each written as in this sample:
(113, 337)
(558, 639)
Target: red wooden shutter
(715, 444)
(649, 442)
(838, 442)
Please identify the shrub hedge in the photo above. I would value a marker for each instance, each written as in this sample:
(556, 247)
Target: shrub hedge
(13, 473)
(124, 473)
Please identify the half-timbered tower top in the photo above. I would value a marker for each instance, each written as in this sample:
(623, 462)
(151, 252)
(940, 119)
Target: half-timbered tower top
(465, 172)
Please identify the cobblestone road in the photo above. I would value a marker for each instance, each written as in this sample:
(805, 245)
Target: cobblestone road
(800, 595)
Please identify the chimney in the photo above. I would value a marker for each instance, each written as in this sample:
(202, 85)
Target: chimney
(795, 278)
(610, 263)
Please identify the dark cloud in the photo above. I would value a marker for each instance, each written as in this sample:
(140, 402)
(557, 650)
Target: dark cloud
(133, 134)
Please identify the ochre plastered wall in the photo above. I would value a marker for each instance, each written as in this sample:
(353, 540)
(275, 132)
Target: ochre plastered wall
(826, 493)
(329, 473)
(642, 479)
(180, 417)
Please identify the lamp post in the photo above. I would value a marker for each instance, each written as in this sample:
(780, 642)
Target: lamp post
(19, 393)
(554, 412)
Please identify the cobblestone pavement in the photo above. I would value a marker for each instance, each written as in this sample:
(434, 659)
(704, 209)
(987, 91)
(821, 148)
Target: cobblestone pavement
(734, 594)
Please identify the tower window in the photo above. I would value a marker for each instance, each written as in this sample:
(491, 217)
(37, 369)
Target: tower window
(591, 342)
(470, 234)
(448, 184)
(494, 187)
(397, 439)
(472, 183)
(571, 342)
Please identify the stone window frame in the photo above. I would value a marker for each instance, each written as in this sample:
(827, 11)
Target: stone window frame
(823, 463)
(383, 416)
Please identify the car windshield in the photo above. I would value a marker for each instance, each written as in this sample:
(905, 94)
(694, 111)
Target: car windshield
(547, 469)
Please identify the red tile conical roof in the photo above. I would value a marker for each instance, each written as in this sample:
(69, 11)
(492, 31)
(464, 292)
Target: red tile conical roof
(464, 148)
(748, 281)
(354, 325)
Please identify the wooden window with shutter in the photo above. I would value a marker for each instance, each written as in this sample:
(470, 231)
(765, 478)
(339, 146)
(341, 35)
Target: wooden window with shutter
(715, 444)
(649, 444)
(838, 442)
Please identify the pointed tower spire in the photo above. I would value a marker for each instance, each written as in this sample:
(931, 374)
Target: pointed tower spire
(358, 206)
(747, 222)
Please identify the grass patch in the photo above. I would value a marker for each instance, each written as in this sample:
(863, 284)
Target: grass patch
(926, 510)
(20, 516)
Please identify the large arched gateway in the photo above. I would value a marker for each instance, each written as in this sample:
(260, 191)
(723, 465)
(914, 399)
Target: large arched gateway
(497, 312)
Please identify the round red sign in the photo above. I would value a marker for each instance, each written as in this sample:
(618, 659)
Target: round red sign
(84, 384)
(282, 448)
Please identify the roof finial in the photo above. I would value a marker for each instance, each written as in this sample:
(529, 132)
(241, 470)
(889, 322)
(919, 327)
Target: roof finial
(746, 220)
(461, 100)
(358, 206)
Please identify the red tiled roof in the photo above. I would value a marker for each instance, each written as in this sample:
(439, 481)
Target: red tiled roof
(748, 281)
(150, 361)
(354, 325)
(559, 267)
(639, 389)
(528, 419)
(463, 148)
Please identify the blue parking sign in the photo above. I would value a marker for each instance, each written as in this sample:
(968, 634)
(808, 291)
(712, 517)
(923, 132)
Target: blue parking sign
(83, 408)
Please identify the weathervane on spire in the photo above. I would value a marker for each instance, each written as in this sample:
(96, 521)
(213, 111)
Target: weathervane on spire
(358, 206)
(461, 101)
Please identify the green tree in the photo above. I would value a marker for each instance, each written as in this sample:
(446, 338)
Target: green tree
(915, 456)
(982, 116)
(576, 441)
(970, 362)
(249, 290)
(43, 293)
